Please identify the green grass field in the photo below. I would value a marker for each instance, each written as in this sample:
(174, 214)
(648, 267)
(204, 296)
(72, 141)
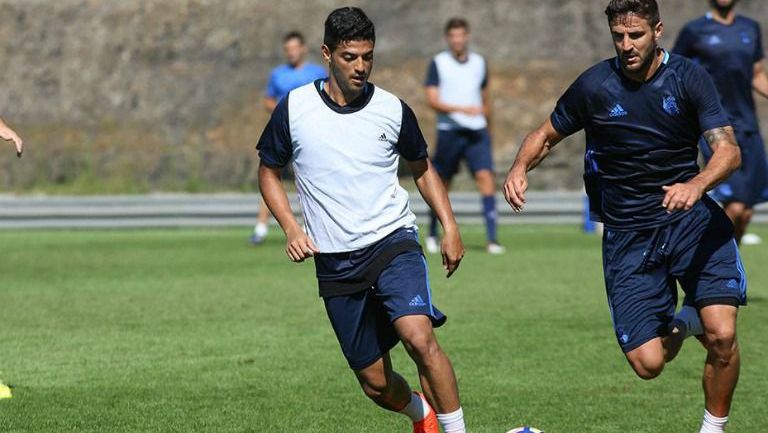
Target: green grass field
(196, 331)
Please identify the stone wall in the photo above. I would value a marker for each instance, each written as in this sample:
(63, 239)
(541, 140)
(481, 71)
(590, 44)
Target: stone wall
(138, 95)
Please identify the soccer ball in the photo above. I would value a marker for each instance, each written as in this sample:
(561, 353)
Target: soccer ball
(525, 429)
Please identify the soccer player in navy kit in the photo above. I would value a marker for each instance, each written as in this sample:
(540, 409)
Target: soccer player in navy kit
(457, 89)
(8, 134)
(343, 137)
(295, 72)
(730, 48)
(643, 112)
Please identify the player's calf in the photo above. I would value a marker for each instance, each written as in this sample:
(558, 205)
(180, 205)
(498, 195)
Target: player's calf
(383, 386)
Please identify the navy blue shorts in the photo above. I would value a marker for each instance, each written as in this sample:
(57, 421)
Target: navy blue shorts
(749, 183)
(642, 269)
(454, 145)
(363, 321)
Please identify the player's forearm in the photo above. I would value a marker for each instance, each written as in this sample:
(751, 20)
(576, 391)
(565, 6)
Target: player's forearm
(276, 199)
(760, 84)
(535, 148)
(269, 104)
(726, 158)
(433, 192)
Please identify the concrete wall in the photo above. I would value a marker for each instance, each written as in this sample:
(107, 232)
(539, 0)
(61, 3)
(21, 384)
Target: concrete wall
(135, 95)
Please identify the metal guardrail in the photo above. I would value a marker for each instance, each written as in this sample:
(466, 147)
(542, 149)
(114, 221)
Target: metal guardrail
(208, 210)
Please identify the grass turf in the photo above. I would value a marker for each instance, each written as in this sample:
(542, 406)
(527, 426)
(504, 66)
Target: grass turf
(194, 330)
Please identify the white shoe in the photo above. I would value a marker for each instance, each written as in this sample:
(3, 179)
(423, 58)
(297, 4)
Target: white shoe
(495, 249)
(432, 246)
(751, 239)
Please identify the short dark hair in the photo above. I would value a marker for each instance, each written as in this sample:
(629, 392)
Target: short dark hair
(647, 9)
(456, 23)
(294, 35)
(348, 24)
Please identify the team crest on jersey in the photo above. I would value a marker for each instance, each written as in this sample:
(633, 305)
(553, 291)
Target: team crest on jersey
(745, 39)
(670, 105)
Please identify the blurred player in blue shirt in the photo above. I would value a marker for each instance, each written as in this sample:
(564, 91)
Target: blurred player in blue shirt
(457, 89)
(296, 72)
(643, 112)
(730, 48)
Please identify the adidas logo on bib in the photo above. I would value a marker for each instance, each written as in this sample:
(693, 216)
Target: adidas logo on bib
(617, 111)
(383, 137)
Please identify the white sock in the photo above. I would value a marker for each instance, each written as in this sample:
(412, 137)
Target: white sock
(690, 317)
(713, 424)
(452, 422)
(260, 229)
(417, 409)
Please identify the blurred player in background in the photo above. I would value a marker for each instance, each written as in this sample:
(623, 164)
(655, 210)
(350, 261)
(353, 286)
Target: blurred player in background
(8, 134)
(730, 48)
(643, 112)
(457, 89)
(296, 72)
(344, 137)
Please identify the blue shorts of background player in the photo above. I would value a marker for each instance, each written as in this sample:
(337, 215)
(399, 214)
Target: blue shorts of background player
(643, 267)
(394, 287)
(747, 184)
(474, 147)
(455, 145)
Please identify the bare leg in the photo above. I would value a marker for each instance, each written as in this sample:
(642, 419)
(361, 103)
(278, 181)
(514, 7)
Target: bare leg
(740, 215)
(721, 370)
(384, 386)
(435, 371)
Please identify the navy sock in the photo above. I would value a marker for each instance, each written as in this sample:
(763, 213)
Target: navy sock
(489, 213)
(432, 224)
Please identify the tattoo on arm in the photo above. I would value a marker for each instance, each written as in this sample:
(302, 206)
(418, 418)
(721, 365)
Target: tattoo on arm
(720, 134)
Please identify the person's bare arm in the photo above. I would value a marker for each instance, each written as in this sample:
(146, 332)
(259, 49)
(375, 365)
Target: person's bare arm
(434, 102)
(8, 134)
(760, 80)
(298, 245)
(535, 148)
(269, 104)
(725, 159)
(431, 188)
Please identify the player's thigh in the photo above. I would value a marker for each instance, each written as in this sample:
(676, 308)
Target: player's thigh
(448, 154)
(478, 152)
(362, 328)
(403, 289)
(641, 293)
(707, 261)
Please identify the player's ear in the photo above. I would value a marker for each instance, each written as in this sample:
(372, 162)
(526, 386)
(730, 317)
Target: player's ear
(658, 31)
(326, 53)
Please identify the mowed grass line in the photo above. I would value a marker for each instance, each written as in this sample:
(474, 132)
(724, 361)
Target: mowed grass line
(194, 330)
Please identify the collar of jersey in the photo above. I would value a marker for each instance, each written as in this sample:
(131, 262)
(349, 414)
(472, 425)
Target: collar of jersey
(353, 107)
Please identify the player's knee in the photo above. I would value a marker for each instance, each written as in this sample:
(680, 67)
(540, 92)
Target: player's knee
(722, 344)
(422, 346)
(374, 386)
(647, 367)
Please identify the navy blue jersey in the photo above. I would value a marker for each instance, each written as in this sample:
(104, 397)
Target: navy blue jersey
(640, 136)
(729, 54)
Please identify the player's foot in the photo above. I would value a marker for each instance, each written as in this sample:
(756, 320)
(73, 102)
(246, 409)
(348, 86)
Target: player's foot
(689, 318)
(429, 424)
(432, 246)
(494, 248)
(259, 233)
(751, 239)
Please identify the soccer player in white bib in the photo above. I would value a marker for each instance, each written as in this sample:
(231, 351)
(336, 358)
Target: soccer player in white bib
(457, 89)
(344, 137)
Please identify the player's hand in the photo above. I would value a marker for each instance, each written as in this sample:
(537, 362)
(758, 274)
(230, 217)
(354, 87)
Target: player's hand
(682, 196)
(299, 246)
(473, 110)
(452, 250)
(515, 187)
(9, 134)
